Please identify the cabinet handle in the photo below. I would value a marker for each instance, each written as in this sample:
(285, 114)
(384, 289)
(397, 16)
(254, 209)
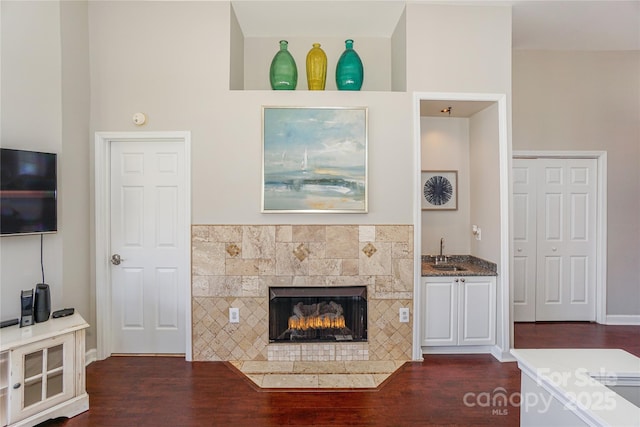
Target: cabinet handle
(16, 386)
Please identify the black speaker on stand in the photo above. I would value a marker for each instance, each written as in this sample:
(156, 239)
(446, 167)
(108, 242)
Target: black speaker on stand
(42, 303)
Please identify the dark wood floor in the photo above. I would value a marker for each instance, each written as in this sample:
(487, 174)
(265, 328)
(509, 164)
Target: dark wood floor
(442, 390)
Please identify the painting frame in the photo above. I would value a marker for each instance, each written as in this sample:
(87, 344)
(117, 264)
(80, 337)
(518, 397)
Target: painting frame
(314, 159)
(439, 190)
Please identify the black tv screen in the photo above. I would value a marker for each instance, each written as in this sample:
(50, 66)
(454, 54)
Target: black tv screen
(28, 191)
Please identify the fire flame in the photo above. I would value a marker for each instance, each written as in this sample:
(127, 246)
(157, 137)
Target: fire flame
(316, 322)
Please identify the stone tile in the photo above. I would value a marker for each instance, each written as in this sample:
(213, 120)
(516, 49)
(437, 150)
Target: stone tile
(251, 287)
(350, 267)
(286, 262)
(267, 367)
(379, 263)
(225, 233)
(394, 233)
(258, 241)
(325, 267)
(284, 233)
(242, 267)
(342, 241)
(257, 379)
(289, 381)
(303, 367)
(380, 378)
(346, 381)
(200, 286)
(266, 267)
(402, 274)
(225, 286)
(366, 233)
(370, 367)
(199, 233)
(309, 233)
(207, 258)
(402, 250)
(317, 250)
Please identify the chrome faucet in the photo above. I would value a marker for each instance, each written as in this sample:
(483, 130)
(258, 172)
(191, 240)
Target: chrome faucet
(441, 258)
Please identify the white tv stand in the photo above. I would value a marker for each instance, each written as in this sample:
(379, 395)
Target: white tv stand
(42, 371)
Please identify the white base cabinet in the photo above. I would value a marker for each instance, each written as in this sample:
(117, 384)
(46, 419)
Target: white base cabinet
(42, 371)
(458, 311)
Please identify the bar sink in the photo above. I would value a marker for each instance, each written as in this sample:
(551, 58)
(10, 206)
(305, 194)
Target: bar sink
(448, 267)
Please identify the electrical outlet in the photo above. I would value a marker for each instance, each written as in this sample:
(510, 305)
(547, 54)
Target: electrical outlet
(404, 315)
(234, 315)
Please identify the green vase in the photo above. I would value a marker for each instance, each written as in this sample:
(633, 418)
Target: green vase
(349, 71)
(283, 73)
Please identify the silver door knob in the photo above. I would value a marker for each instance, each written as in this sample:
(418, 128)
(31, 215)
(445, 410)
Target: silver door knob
(115, 259)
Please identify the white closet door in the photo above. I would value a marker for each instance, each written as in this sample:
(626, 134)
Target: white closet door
(554, 205)
(524, 240)
(566, 240)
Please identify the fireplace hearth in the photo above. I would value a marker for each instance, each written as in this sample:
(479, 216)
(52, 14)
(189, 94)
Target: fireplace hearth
(318, 314)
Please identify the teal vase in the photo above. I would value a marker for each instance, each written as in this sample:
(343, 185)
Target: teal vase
(283, 73)
(349, 71)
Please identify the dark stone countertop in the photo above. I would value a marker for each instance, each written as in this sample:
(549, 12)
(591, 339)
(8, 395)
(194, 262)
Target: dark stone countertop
(473, 266)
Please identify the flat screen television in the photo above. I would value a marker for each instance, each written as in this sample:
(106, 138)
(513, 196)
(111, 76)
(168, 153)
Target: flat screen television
(28, 192)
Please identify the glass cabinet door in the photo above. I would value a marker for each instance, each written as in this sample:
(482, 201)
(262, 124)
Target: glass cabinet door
(41, 375)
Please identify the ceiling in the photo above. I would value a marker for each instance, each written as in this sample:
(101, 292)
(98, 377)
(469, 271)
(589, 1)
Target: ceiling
(433, 108)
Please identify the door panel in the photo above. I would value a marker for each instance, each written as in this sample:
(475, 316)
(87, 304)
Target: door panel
(554, 206)
(524, 239)
(568, 245)
(147, 216)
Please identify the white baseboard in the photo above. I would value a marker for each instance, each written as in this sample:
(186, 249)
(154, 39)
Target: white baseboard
(90, 356)
(623, 319)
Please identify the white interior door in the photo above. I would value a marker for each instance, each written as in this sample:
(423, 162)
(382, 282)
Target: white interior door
(524, 240)
(148, 218)
(555, 239)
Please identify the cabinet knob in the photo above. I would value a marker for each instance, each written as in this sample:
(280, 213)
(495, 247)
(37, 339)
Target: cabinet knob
(554, 249)
(456, 280)
(519, 249)
(462, 280)
(16, 386)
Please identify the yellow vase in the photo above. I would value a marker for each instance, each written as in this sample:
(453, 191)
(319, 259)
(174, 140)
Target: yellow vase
(316, 68)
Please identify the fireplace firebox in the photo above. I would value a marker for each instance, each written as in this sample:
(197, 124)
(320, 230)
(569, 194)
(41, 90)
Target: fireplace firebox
(317, 314)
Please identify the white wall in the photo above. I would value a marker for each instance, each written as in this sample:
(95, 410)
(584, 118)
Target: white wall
(186, 46)
(75, 168)
(31, 120)
(170, 60)
(445, 146)
(484, 194)
(590, 101)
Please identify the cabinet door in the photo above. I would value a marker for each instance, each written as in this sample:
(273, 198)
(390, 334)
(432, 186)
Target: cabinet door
(4, 387)
(41, 376)
(477, 308)
(439, 311)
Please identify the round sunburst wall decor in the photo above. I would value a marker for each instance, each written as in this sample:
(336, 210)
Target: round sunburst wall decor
(439, 190)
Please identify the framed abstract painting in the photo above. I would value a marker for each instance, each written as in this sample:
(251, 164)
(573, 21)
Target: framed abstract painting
(439, 190)
(314, 159)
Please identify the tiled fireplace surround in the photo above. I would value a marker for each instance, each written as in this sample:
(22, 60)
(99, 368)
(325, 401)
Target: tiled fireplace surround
(234, 266)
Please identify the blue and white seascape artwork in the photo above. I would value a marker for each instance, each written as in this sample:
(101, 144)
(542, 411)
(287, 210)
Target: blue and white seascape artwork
(315, 159)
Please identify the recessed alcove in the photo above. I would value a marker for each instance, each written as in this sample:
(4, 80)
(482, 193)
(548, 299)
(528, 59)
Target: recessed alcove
(378, 29)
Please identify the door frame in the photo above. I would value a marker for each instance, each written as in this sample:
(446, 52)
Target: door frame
(504, 322)
(601, 217)
(102, 217)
